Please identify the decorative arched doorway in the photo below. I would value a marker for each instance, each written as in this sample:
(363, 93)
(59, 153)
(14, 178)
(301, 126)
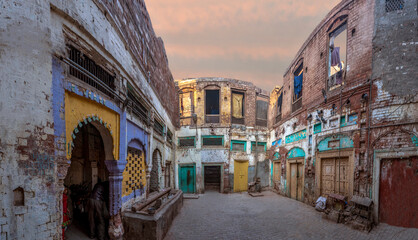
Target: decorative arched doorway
(91, 147)
(155, 171)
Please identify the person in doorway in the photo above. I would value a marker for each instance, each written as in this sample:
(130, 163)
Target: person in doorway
(97, 211)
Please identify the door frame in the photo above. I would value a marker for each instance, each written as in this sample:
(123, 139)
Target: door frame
(343, 153)
(180, 165)
(221, 165)
(297, 160)
(378, 156)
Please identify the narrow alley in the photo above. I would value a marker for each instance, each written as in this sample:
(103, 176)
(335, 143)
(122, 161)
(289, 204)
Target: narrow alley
(240, 216)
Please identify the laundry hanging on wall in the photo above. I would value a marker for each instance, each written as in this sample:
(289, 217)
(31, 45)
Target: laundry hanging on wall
(298, 85)
(237, 104)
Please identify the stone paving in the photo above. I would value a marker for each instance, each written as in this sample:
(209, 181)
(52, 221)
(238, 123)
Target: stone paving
(240, 216)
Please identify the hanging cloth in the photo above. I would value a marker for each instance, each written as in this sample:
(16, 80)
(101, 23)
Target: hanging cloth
(237, 104)
(335, 57)
(298, 85)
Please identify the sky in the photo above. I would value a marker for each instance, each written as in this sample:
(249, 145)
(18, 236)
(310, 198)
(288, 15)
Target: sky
(250, 40)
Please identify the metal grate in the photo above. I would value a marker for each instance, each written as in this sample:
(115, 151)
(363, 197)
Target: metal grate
(394, 5)
(236, 146)
(260, 148)
(86, 64)
(158, 128)
(186, 142)
(212, 118)
(138, 108)
(217, 141)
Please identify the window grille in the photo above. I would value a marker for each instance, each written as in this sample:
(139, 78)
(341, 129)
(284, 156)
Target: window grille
(138, 109)
(261, 147)
(238, 146)
(213, 141)
(159, 128)
(187, 142)
(394, 5)
(107, 80)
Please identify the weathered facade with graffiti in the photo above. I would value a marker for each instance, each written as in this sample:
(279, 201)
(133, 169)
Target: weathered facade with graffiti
(347, 106)
(222, 121)
(85, 102)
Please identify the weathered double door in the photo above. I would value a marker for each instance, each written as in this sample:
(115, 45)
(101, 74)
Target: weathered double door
(334, 176)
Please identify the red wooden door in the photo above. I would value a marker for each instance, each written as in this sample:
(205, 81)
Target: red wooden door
(398, 192)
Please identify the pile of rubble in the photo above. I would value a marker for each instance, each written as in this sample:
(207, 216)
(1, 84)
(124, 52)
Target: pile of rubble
(357, 213)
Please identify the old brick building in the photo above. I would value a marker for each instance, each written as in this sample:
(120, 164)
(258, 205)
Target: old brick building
(347, 105)
(86, 98)
(222, 121)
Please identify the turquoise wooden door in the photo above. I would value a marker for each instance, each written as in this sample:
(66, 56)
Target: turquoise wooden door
(187, 179)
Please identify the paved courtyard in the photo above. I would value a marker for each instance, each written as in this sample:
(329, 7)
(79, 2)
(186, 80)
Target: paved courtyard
(240, 216)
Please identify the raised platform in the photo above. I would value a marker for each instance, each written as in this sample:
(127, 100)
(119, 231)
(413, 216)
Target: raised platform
(144, 224)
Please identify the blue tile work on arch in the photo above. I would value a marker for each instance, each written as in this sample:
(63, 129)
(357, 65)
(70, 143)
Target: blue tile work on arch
(296, 153)
(344, 142)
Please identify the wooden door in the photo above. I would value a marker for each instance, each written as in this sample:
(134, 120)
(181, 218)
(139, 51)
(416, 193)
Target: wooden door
(398, 192)
(240, 176)
(293, 180)
(187, 179)
(334, 176)
(299, 181)
(341, 179)
(327, 176)
(277, 171)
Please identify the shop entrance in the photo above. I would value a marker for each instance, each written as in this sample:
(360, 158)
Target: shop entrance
(212, 178)
(86, 170)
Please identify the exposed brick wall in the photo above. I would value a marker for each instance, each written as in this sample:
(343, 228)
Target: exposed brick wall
(134, 22)
(359, 55)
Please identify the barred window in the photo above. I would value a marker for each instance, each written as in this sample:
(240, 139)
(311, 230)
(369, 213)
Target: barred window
(238, 145)
(261, 147)
(159, 128)
(106, 82)
(394, 5)
(212, 140)
(187, 142)
(138, 109)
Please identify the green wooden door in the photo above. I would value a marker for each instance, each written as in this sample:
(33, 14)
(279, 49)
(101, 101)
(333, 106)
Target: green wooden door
(187, 179)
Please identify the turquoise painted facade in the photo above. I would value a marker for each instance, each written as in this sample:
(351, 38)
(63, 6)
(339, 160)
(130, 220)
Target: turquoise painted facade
(296, 136)
(296, 153)
(344, 142)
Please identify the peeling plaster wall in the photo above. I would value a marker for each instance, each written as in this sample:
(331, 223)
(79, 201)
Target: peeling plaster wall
(32, 126)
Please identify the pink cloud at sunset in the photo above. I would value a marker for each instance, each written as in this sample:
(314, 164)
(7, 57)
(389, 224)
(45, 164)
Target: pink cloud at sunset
(244, 39)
